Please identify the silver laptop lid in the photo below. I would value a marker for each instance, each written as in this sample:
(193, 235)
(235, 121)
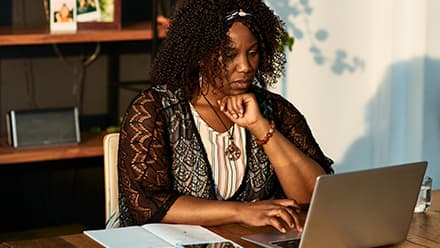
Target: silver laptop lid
(363, 208)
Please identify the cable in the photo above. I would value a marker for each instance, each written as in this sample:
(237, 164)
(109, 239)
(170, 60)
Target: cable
(92, 58)
(80, 72)
(30, 82)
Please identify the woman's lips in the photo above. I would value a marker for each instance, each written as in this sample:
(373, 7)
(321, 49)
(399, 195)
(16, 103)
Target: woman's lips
(240, 84)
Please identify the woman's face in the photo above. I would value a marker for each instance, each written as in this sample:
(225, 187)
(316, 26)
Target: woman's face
(241, 61)
(64, 12)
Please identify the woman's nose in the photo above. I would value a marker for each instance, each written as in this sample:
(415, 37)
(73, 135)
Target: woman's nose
(243, 64)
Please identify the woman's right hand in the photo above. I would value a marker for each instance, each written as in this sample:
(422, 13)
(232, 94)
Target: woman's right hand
(282, 214)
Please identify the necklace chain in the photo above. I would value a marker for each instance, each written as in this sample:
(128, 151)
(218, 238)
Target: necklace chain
(230, 135)
(232, 151)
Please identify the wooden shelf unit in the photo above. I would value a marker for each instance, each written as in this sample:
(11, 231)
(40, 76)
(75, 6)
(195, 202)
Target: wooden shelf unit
(16, 36)
(90, 146)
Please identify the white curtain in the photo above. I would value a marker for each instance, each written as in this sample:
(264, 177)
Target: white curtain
(366, 74)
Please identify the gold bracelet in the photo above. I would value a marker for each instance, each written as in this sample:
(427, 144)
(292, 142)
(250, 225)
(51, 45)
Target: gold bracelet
(268, 135)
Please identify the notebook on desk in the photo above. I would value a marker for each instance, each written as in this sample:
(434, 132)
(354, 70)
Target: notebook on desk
(365, 208)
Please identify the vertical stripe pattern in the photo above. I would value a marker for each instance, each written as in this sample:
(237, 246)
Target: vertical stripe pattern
(227, 174)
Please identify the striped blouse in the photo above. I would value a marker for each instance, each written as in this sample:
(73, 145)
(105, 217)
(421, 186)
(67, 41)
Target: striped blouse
(227, 174)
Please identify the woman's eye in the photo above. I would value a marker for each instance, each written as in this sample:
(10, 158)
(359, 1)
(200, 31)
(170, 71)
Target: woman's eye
(253, 52)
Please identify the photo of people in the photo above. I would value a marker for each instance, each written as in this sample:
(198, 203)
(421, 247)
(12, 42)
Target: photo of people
(88, 10)
(62, 15)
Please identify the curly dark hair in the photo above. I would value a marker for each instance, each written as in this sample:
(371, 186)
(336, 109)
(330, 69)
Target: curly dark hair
(197, 35)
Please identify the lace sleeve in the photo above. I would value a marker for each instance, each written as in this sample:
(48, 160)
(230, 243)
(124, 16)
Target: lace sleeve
(144, 177)
(296, 129)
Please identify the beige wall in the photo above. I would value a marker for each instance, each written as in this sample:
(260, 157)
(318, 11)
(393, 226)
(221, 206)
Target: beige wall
(388, 112)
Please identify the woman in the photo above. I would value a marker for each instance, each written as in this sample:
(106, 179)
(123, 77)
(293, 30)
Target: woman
(208, 144)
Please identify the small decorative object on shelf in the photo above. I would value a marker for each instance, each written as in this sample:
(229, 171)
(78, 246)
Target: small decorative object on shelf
(85, 14)
(99, 14)
(62, 16)
(88, 10)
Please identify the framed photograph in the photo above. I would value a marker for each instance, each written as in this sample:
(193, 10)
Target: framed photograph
(63, 16)
(99, 14)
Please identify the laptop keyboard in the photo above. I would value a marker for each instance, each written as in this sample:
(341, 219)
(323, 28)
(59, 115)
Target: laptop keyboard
(290, 243)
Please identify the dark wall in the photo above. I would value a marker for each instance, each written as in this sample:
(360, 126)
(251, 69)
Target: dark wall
(6, 12)
(141, 10)
(136, 10)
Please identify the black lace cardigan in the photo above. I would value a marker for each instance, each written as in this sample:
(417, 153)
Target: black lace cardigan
(161, 155)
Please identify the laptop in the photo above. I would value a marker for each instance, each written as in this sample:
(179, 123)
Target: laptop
(366, 208)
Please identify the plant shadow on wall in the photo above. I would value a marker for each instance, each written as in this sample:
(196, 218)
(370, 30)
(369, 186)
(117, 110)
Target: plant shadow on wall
(389, 134)
(299, 12)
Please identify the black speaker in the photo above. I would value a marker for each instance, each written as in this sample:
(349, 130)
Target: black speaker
(43, 127)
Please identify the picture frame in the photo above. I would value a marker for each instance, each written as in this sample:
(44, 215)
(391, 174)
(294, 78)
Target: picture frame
(62, 15)
(104, 14)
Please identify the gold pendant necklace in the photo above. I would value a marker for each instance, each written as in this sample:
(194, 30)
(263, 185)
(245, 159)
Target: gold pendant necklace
(232, 152)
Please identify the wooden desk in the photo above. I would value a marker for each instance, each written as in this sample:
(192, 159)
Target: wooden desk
(424, 232)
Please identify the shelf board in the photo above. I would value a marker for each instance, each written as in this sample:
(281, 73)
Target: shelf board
(90, 146)
(14, 36)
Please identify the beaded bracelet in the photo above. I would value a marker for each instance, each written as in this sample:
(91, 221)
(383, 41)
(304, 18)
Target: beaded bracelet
(268, 135)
